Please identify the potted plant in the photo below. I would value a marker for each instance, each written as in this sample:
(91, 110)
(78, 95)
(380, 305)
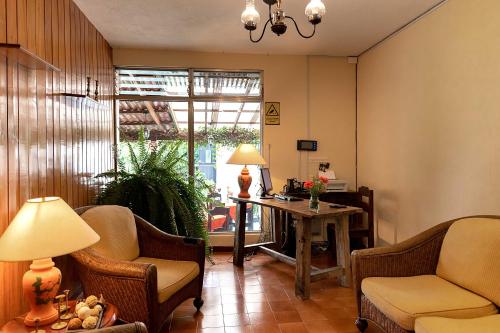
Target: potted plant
(151, 180)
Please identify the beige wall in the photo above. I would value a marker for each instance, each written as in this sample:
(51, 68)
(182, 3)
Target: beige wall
(429, 119)
(317, 96)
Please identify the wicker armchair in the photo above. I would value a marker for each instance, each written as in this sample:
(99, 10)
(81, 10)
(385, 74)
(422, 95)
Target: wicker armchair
(133, 286)
(416, 256)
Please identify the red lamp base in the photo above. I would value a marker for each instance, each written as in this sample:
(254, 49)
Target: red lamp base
(244, 181)
(40, 285)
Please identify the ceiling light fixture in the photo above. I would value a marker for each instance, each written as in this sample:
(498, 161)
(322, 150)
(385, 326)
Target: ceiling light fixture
(250, 17)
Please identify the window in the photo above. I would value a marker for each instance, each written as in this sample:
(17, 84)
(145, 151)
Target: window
(210, 112)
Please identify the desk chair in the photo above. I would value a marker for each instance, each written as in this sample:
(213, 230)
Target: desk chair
(359, 229)
(360, 225)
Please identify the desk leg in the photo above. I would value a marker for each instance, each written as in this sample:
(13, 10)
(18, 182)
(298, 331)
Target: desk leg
(303, 258)
(239, 234)
(276, 214)
(343, 249)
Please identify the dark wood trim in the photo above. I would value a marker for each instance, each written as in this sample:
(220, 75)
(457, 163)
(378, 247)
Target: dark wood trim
(222, 249)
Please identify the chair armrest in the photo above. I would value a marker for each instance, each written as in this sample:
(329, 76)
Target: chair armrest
(155, 243)
(131, 286)
(91, 260)
(416, 256)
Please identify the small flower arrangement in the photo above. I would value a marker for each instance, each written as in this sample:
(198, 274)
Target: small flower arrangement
(316, 185)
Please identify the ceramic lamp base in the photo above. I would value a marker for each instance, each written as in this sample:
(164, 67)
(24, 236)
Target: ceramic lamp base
(41, 284)
(244, 181)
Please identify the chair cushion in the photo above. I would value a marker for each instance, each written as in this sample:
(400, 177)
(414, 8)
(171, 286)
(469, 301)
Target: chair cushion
(470, 256)
(488, 324)
(217, 222)
(116, 226)
(172, 275)
(403, 299)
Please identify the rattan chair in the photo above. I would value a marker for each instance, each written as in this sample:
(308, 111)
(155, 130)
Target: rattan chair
(133, 286)
(417, 256)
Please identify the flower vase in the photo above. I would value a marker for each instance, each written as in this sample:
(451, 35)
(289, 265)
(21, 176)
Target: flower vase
(314, 203)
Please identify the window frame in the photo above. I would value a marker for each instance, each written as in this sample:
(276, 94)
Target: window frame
(190, 99)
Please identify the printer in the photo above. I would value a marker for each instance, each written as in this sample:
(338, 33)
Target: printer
(334, 184)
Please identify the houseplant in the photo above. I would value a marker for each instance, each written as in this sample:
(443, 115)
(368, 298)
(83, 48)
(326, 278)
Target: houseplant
(152, 181)
(315, 187)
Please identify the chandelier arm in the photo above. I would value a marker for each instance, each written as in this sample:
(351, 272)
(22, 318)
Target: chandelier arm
(261, 35)
(270, 14)
(298, 30)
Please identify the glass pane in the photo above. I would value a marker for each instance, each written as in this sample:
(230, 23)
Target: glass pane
(220, 125)
(219, 128)
(221, 83)
(226, 114)
(159, 121)
(153, 82)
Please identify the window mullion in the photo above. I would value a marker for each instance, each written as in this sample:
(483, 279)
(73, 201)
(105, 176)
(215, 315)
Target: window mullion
(191, 123)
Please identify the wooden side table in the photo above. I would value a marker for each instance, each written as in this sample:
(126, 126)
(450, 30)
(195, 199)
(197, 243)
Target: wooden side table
(16, 325)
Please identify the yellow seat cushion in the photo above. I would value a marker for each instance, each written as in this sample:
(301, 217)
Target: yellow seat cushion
(172, 275)
(403, 299)
(488, 324)
(116, 227)
(470, 256)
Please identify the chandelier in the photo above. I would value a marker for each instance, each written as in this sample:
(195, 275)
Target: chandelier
(250, 17)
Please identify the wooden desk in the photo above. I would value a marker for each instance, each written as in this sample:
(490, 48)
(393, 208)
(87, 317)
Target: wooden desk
(305, 217)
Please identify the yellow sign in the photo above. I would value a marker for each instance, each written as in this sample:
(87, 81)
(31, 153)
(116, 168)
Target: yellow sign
(272, 113)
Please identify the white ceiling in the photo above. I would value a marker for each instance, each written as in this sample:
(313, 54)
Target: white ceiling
(348, 28)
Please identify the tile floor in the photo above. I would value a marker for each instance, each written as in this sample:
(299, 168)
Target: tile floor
(260, 298)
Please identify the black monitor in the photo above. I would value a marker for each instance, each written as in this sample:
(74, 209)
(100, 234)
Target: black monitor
(266, 184)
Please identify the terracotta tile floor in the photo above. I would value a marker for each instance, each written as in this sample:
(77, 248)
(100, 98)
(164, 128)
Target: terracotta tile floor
(260, 298)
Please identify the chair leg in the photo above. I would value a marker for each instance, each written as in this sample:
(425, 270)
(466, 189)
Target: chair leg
(198, 303)
(361, 324)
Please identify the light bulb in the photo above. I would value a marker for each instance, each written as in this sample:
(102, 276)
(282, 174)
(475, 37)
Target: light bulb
(250, 16)
(315, 10)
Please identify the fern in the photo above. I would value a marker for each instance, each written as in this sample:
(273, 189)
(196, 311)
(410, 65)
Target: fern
(150, 181)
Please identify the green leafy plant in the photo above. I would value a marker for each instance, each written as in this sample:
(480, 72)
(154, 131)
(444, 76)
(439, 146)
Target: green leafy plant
(225, 136)
(152, 181)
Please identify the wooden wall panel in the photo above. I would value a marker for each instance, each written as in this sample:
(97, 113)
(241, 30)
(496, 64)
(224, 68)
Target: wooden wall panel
(3, 21)
(50, 144)
(22, 34)
(4, 167)
(11, 17)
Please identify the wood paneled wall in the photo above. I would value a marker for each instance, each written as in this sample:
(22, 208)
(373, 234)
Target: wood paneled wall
(50, 144)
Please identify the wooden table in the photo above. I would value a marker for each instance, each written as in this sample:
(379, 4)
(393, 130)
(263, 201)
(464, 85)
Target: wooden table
(304, 217)
(16, 325)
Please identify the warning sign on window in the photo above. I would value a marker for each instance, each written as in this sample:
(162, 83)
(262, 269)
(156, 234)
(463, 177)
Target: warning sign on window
(272, 113)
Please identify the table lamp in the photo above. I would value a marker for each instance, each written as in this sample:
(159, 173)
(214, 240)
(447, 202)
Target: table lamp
(44, 228)
(245, 154)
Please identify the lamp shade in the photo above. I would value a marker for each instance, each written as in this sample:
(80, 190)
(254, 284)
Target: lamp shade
(246, 154)
(45, 228)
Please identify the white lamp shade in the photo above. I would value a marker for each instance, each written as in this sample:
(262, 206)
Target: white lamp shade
(45, 228)
(246, 154)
